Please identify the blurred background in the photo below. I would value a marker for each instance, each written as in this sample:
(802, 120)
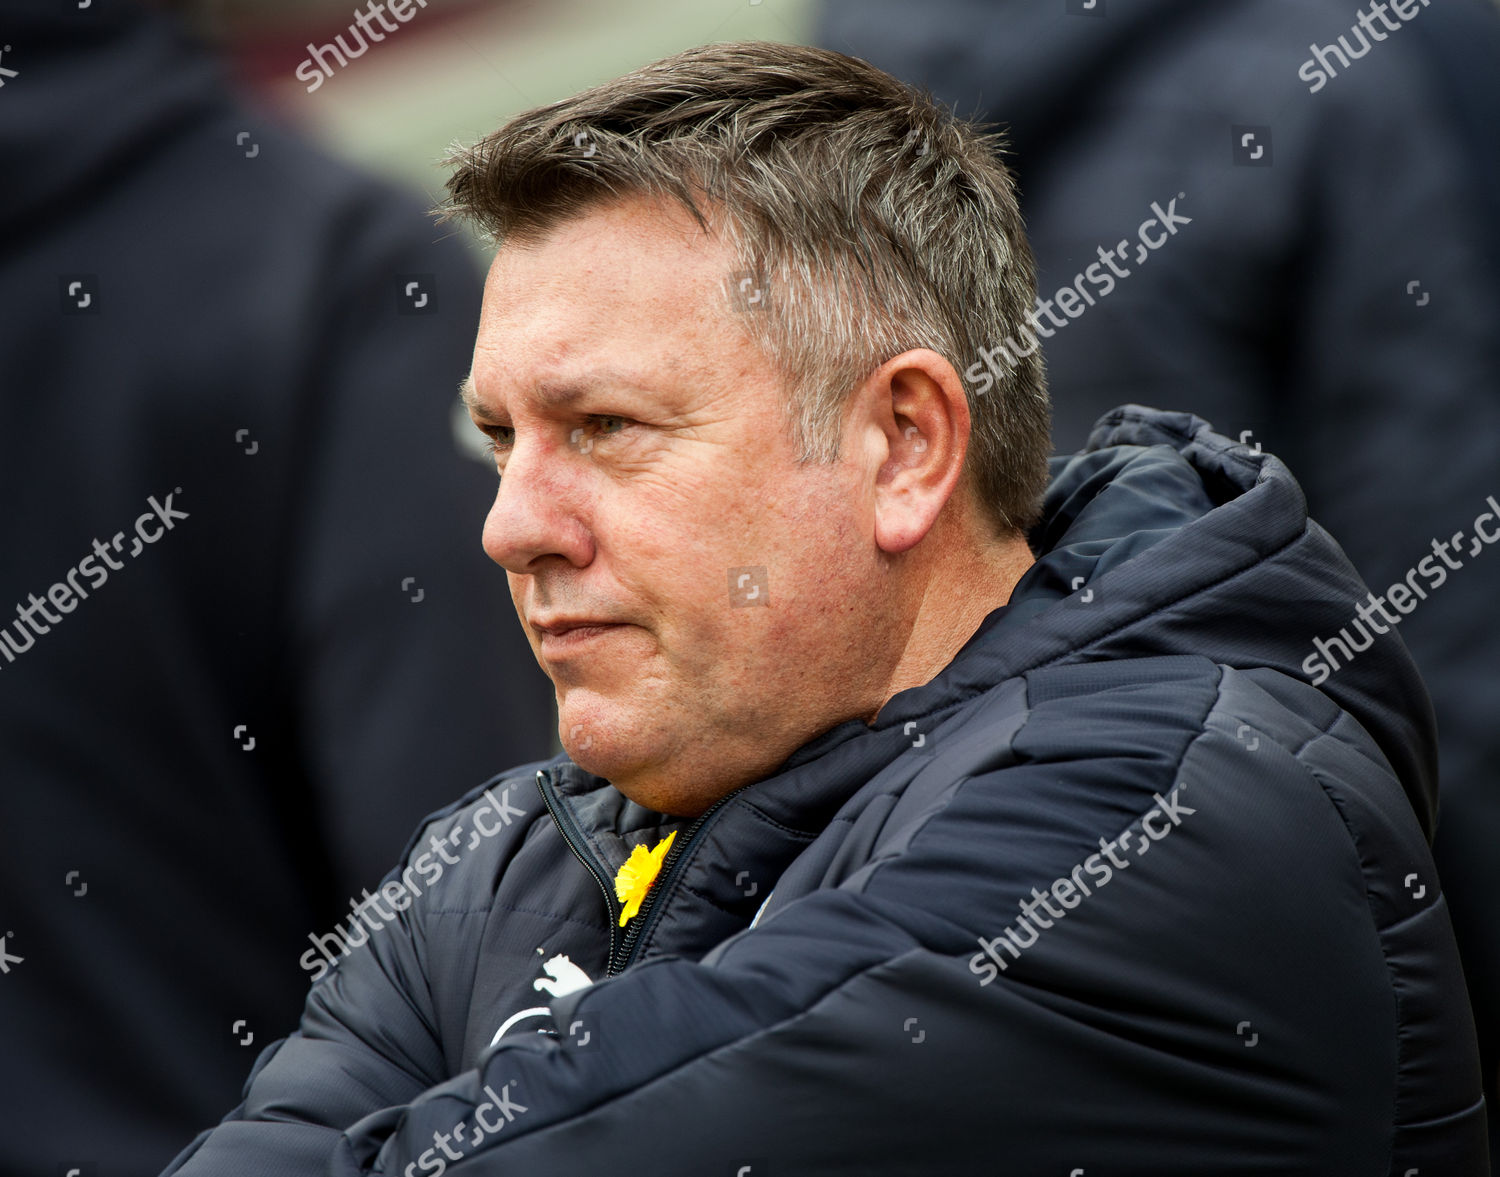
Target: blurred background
(460, 68)
(253, 231)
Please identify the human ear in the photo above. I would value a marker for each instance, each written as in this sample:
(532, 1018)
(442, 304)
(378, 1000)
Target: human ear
(914, 417)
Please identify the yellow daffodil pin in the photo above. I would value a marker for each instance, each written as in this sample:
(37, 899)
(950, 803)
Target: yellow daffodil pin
(637, 875)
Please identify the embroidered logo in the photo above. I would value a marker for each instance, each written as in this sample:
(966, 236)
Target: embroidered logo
(563, 977)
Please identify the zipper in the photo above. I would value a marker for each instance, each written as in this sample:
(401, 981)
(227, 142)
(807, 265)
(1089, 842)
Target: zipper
(574, 839)
(622, 953)
(663, 882)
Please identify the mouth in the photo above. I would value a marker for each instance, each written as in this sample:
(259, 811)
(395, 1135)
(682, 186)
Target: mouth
(563, 637)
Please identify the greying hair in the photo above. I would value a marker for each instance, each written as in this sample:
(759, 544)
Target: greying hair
(869, 219)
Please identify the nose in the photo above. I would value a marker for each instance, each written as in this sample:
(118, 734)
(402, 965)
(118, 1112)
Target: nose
(537, 510)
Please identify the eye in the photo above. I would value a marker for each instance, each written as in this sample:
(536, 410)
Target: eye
(597, 427)
(499, 438)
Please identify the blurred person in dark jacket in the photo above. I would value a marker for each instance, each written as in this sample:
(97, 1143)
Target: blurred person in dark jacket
(246, 640)
(1288, 215)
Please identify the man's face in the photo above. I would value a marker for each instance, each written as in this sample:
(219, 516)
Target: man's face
(643, 456)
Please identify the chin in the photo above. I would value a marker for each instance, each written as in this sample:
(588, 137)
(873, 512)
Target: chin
(609, 762)
(635, 767)
(644, 787)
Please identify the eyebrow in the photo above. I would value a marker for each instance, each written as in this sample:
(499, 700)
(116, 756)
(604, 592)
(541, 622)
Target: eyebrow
(468, 394)
(554, 394)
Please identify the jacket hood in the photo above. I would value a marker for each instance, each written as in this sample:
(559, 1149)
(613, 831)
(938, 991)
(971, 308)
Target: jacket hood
(1163, 537)
(94, 89)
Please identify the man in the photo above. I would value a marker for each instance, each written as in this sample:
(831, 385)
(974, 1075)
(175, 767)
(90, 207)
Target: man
(920, 815)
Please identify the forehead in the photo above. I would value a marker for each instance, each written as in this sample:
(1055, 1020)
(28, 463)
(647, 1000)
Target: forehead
(632, 287)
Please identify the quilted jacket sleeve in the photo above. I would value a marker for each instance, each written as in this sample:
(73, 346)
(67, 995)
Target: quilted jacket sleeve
(371, 1036)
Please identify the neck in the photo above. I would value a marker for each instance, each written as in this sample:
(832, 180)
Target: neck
(957, 586)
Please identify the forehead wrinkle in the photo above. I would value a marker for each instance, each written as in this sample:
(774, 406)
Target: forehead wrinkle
(555, 308)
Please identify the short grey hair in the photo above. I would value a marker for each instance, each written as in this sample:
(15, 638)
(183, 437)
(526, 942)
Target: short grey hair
(871, 220)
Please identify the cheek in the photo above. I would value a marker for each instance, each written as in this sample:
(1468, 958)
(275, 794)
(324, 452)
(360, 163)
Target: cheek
(817, 574)
(672, 543)
(818, 541)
